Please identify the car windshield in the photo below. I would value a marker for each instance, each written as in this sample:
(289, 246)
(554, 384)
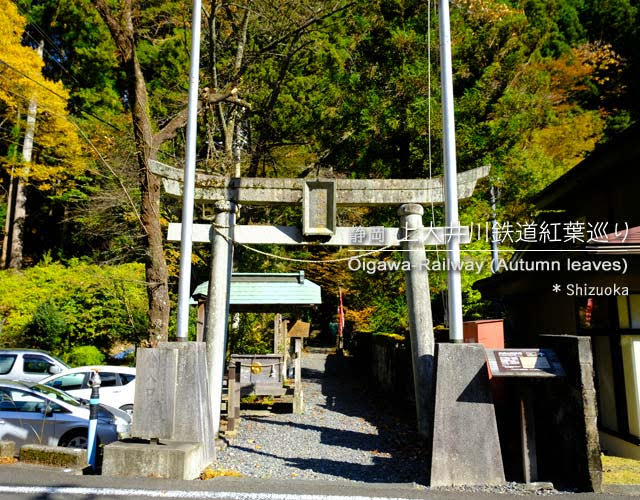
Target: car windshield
(56, 394)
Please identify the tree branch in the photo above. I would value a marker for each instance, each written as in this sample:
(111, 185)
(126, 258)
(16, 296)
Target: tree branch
(302, 27)
(117, 31)
(242, 41)
(179, 121)
(170, 130)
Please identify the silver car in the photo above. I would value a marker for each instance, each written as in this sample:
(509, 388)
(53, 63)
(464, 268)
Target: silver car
(40, 414)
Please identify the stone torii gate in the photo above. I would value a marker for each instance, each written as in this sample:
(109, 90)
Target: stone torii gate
(320, 199)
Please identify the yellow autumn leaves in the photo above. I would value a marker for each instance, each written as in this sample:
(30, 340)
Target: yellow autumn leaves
(57, 152)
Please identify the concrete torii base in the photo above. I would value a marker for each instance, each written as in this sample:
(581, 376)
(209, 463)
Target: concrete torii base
(167, 460)
(172, 422)
(466, 449)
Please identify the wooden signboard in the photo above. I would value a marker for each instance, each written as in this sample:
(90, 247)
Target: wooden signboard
(524, 363)
(300, 329)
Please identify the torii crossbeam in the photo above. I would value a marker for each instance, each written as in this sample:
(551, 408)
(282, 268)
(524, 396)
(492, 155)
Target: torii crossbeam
(349, 192)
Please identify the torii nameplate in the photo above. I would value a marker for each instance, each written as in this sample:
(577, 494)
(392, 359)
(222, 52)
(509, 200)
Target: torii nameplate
(349, 192)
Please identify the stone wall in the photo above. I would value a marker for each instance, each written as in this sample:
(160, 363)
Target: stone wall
(386, 363)
(566, 418)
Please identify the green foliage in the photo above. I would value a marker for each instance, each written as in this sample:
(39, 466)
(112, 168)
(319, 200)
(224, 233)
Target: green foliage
(47, 329)
(193, 321)
(391, 313)
(380, 123)
(56, 307)
(83, 56)
(253, 335)
(84, 355)
(537, 84)
(3, 210)
(394, 336)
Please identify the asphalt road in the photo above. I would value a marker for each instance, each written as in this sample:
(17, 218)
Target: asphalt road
(25, 482)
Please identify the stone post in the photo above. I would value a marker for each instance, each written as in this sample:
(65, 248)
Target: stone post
(465, 443)
(277, 333)
(298, 398)
(420, 321)
(218, 302)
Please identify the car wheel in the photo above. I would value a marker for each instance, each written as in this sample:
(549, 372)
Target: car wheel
(128, 409)
(74, 439)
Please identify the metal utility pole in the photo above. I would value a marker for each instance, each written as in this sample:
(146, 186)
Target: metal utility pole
(450, 182)
(184, 281)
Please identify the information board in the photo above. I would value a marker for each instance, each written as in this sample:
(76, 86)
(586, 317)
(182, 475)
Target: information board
(524, 363)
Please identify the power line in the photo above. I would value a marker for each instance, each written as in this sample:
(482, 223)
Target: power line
(38, 147)
(51, 56)
(41, 31)
(97, 152)
(46, 37)
(102, 120)
(9, 139)
(41, 149)
(53, 44)
(61, 97)
(33, 80)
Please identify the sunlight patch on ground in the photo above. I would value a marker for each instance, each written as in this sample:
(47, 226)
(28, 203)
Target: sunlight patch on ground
(210, 473)
(618, 470)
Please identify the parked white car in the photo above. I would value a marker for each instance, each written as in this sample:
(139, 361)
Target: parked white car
(28, 365)
(117, 384)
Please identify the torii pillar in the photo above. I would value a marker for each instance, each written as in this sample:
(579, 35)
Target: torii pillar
(420, 319)
(217, 317)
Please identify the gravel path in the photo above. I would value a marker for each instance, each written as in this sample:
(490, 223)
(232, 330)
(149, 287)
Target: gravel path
(345, 433)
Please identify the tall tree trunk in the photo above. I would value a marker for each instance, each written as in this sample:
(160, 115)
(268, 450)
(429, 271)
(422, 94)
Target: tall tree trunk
(18, 213)
(17, 209)
(155, 264)
(7, 239)
(122, 31)
(11, 203)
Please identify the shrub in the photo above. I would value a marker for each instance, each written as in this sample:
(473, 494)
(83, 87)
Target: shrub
(85, 304)
(48, 328)
(84, 355)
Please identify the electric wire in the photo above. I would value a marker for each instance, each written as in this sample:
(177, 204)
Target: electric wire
(97, 152)
(46, 37)
(52, 57)
(9, 139)
(217, 228)
(33, 80)
(65, 99)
